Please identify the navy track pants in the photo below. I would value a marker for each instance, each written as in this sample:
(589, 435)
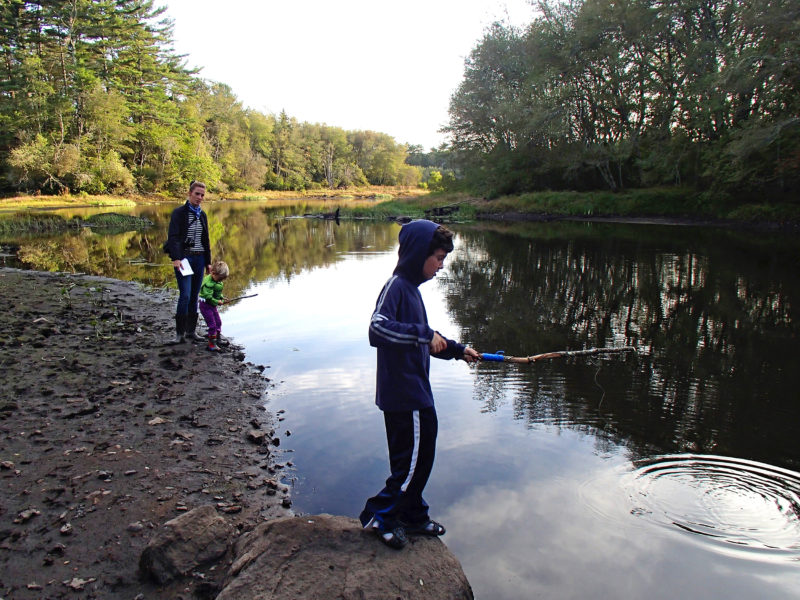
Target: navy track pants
(411, 436)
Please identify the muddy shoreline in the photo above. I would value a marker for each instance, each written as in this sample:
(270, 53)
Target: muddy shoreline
(106, 432)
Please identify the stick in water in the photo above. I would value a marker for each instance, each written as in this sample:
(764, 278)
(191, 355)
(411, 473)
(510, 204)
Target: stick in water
(501, 357)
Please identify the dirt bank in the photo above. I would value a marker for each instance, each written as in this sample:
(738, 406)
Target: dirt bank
(106, 433)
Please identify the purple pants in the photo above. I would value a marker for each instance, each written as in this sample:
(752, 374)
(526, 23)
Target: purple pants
(211, 316)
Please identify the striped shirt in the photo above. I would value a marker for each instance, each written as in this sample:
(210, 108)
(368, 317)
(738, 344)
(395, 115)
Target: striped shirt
(195, 233)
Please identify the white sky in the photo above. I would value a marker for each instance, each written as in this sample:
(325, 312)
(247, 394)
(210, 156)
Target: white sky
(355, 64)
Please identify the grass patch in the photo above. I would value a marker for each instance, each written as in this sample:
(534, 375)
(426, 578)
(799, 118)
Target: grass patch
(776, 213)
(382, 210)
(117, 221)
(25, 202)
(651, 202)
(370, 193)
(33, 224)
(44, 223)
(417, 208)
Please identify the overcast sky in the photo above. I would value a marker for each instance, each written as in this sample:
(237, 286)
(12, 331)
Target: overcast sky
(355, 64)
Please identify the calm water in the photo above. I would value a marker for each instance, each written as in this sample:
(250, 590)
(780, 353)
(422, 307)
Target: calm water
(669, 473)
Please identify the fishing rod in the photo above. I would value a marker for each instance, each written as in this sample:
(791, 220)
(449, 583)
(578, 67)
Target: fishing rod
(500, 356)
(240, 298)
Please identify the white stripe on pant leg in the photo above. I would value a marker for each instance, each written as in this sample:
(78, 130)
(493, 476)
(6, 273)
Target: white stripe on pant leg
(415, 453)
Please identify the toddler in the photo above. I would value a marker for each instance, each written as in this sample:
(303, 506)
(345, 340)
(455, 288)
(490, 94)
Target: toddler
(210, 298)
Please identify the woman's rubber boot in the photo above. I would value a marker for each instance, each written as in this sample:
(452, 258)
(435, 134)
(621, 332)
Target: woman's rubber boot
(212, 344)
(180, 329)
(191, 323)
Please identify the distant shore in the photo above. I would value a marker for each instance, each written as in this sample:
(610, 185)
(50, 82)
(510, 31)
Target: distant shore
(649, 206)
(370, 193)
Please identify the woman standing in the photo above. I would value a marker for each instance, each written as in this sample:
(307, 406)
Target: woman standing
(188, 238)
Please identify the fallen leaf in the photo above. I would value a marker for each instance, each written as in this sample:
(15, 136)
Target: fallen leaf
(26, 515)
(76, 583)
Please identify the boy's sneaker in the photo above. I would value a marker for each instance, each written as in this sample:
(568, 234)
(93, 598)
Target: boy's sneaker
(396, 538)
(429, 527)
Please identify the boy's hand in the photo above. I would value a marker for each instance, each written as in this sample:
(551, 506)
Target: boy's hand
(438, 343)
(471, 355)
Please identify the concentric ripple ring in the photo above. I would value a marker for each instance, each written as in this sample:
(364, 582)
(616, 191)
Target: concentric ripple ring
(730, 501)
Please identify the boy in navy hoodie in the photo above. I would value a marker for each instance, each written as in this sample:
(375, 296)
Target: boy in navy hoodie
(399, 330)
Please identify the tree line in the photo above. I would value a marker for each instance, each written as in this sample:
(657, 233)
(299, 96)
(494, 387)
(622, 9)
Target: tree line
(618, 94)
(94, 99)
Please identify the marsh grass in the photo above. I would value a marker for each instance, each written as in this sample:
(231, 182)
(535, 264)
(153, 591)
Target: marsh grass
(763, 212)
(415, 207)
(116, 221)
(44, 223)
(33, 202)
(371, 193)
(651, 202)
(668, 203)
(28, 223)
(654, 202)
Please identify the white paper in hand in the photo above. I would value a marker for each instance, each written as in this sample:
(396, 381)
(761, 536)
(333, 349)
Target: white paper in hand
(185, 268)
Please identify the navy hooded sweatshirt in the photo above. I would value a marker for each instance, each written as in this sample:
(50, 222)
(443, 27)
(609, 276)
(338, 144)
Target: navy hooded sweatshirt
(399, 328)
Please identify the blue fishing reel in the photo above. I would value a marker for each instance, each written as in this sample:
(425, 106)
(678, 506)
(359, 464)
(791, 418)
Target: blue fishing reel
(498, 356)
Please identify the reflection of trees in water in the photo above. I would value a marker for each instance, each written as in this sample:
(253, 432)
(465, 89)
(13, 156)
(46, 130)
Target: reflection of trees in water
(490, 389)
(717, 331)
(117, 255)
(259, 243)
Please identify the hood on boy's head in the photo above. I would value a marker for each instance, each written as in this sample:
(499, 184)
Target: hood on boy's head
(415, 240)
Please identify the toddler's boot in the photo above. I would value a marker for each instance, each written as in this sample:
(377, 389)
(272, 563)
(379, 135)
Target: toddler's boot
(212, 343)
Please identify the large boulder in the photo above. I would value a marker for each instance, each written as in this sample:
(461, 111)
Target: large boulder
(198, 537)
(324, 556)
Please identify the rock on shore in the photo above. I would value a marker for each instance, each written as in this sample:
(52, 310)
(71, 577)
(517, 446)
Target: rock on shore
(303, 557)
(324, 556)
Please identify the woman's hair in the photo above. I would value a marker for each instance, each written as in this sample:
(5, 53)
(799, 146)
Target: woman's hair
(220, 269)
(195, 184)
(442, 238)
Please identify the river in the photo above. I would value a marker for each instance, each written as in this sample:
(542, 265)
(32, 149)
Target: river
(667, 472)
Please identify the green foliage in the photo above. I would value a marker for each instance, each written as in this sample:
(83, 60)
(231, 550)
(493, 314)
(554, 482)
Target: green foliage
(435, 181)
(596, 94)
(95, 100)
(32, 163)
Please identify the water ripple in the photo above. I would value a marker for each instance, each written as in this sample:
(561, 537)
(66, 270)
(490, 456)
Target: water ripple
(730, 502)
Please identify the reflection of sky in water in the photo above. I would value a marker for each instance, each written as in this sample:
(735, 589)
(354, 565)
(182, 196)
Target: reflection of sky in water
(532, 510)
